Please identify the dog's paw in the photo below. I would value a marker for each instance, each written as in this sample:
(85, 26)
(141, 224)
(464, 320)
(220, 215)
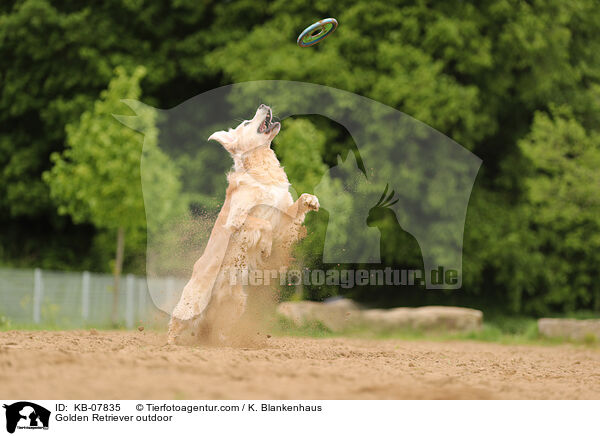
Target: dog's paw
(309, 202)
(265, 247)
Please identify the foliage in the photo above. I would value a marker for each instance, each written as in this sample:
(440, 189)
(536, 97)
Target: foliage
(565, 210)
(301, 138)
(517, 83)
(97, 178)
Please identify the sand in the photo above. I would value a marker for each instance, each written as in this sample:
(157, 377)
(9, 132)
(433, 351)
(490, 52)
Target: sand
(138, 365)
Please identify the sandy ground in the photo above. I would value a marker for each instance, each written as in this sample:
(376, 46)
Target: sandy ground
(137, 365)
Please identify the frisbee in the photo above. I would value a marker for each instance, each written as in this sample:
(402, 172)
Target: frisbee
(317, 32)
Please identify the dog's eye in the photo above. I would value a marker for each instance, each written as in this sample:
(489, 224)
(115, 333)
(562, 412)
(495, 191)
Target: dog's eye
(246, 123)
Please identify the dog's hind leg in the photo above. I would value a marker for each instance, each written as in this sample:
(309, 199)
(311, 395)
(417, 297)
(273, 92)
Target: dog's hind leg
(176, 326)
(225, 312)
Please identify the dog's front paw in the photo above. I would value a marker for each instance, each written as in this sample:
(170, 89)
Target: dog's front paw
(309, 202)
(265, 246)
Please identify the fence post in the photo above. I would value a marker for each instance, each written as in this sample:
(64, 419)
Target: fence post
(129, 318)
(38, 295)
(141, 298)
(85, 296)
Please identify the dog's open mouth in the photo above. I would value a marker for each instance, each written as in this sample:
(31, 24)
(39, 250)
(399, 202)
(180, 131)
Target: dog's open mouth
(268, 125)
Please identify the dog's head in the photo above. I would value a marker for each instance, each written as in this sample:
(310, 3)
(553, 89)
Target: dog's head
(250, 134)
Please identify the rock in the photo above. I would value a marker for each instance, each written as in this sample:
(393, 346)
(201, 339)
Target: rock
(336, 315)
(565, 328)
(341, 314)
(387, 319)
(424, 319)
(342, 303)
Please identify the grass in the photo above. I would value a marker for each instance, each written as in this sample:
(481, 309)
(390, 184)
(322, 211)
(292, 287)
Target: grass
(7, 325)
(51, 327)
(502, 330)
(498, 329)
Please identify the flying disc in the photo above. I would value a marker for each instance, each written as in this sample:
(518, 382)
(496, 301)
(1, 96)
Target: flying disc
(317, 32)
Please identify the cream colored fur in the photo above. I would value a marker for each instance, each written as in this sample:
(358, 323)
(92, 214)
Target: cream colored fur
(256, 228)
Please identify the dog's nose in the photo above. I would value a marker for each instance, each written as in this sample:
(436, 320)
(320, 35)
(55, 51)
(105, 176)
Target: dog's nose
(263, 106)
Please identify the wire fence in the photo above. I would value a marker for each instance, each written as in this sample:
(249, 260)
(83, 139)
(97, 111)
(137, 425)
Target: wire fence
(82, 299)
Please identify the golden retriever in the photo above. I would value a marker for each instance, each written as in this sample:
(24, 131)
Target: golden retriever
(256, 228)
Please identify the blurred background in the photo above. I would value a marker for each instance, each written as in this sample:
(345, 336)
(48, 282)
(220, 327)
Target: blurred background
(515, 82)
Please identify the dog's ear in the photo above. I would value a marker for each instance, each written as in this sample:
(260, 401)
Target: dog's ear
(227, 139)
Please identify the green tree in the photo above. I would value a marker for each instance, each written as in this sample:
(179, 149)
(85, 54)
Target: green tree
(56, 58)
(97, 177)
(563, 193)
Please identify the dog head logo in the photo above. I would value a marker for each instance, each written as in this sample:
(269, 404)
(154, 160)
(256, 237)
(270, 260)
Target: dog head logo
(26, 415)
